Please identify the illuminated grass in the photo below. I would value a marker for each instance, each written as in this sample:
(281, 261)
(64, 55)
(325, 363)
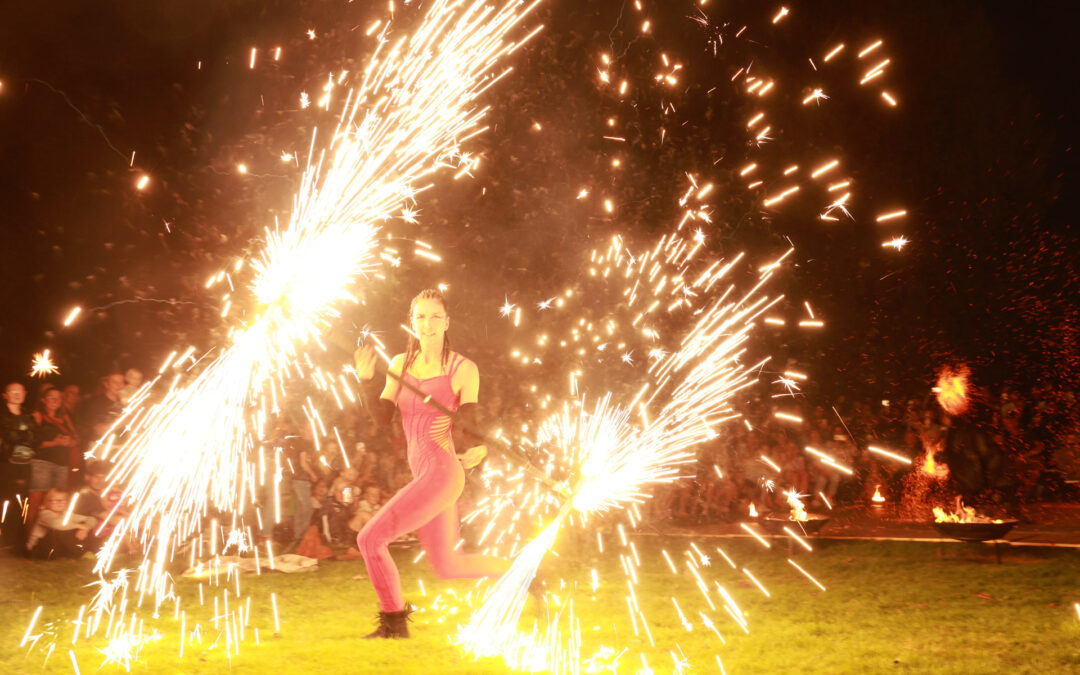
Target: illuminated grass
(889, 607)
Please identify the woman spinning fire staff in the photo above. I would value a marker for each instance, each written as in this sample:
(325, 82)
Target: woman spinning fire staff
(429, 502)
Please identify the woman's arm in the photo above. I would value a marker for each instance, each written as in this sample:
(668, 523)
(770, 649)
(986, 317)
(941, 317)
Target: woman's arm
(380, 409)
(392, 386)
(467, 386)
(466, 382)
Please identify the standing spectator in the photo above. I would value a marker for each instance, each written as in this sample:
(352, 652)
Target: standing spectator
(133, 379)
(54, 536)
(104, 408)
(72, 400)
(52, 461)
(17, 444)
(303, 477)
(73, 408)
(17, 426)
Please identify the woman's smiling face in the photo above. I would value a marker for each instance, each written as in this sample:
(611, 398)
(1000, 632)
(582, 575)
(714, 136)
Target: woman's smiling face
(430, 321)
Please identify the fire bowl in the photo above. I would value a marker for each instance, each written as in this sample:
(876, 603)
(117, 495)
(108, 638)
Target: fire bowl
(974, 531)
(810, 527)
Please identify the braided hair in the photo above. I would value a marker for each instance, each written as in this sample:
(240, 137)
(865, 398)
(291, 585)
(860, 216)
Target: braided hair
(413, 349)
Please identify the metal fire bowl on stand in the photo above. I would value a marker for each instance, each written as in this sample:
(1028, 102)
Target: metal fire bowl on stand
(975, 531)
(809, 527)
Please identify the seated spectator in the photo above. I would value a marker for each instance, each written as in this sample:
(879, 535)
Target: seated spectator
(343, 487)
(94, 502)
(402, 477)
(371, 502)
(342, 498)
(53, 536)
(385, 471)
(365, 466)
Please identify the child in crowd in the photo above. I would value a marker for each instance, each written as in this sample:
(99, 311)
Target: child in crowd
(57, 534)
(93, 501)
(372, 500)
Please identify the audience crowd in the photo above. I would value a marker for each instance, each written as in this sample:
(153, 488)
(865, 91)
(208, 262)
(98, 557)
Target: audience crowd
(317, 493)
(824, 455)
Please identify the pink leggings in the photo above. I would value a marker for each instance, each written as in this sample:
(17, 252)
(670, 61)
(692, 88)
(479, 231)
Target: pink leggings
(428, 504)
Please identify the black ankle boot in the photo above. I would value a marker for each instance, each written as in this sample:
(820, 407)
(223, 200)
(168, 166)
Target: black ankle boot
(392, 624)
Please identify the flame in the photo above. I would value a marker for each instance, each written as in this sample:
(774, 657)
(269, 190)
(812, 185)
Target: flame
(877, 495)
(932, 468)
(798, 511)
(960, 514)
(753, 511)
(952, 388)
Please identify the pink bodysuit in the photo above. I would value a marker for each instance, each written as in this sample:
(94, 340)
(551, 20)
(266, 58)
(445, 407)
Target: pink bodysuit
(429, 502)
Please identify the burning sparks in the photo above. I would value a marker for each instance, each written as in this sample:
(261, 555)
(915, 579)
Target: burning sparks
(42, 365)
(897, 243)
(892, 215)
(891, 455)
(72, 315)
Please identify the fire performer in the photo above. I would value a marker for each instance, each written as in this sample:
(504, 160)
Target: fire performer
(428, 502)
(977, 463)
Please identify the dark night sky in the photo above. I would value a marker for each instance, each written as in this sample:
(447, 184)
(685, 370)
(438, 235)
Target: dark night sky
(978, 151)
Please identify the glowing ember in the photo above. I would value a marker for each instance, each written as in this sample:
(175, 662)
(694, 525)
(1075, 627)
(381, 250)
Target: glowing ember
(951, 389)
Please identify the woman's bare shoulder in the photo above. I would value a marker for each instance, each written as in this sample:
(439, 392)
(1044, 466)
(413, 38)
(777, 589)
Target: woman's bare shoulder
(465, 364)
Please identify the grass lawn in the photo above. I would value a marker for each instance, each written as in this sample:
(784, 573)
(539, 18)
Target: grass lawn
(890, 607)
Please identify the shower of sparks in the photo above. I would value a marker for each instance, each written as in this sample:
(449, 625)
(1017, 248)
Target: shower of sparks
(672, 300)
(493, 628)
(42, 365)
(689, 315)
(192, 452)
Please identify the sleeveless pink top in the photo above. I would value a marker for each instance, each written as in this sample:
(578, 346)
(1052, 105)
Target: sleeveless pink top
(427, 429)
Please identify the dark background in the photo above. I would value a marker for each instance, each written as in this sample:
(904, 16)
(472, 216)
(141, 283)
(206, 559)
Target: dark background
(978, 152)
